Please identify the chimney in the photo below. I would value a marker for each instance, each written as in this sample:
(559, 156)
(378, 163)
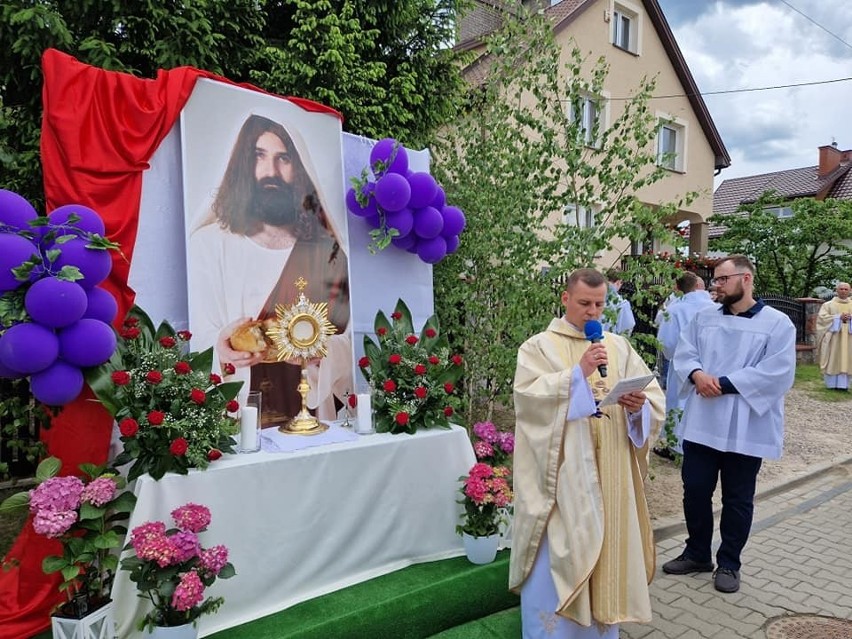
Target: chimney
(829, 159)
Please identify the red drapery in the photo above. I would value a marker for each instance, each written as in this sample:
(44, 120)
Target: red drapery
(100, 129)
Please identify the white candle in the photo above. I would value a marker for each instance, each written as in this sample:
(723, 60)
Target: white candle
(248, 428)
(364, 424)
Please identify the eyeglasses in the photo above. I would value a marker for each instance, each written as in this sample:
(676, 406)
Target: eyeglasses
(723, 279)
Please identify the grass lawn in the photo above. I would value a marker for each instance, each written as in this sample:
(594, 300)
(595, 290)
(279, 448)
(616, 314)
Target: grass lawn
(809, 379)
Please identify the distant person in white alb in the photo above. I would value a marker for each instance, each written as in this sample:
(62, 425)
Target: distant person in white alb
(734, 364)
(834, 339)
(618, 316)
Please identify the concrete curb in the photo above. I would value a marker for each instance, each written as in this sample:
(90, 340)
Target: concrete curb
(676, 526)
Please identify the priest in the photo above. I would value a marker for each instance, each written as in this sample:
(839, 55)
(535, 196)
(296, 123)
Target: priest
(834, 339)
(583, 549)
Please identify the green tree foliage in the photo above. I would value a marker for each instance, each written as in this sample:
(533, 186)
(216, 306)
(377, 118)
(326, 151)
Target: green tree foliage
(513, 162)
(796, 254)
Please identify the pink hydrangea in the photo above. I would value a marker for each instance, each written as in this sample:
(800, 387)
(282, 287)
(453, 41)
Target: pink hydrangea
(144, 531)
(485, 431)
(481, 471)
(483, 449)
(53, 523)
(150, 543)
(188, 593)
(213, 559)
(192, 517)
(507, 442)
(57, 494)
(476, 489)
(99, 491)
(186, 545)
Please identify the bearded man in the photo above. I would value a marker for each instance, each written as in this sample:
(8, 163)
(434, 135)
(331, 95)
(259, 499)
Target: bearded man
(266, 229)
(834, 339)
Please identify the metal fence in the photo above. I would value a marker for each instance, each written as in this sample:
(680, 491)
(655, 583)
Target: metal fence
(792, 308)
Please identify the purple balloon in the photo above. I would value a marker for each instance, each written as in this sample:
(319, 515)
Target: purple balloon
(101, 305)
(424, 188)
(454, 221)
(28, 348)
(453, 244)
(440, 199)
(405, 242)
(88, 342)
(388, 156)
(432, 250)
(402, 221)
(428, 222)
(58, 384)
(392, 192)
(14, 251)
(7, 372)
(373, 221)
(16, 212)
(94, 264)
(89, 220)
(355, 207)
(55, 303)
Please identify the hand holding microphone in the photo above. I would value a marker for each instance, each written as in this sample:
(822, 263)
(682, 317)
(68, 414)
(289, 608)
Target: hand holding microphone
(595, 356)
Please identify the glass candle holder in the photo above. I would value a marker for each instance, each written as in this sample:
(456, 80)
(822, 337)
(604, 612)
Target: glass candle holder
(250, 420)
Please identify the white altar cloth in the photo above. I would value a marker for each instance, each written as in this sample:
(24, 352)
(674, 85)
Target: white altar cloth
(302, 524)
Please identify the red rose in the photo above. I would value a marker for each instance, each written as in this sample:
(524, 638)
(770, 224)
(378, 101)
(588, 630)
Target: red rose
(389, 386)
(433, 359)
(381, 331)
(396, 315)
(364, 362)
(431, 332)
(178, 446)
(456, 359)
(233, 406)
(352, 400)
(215, 379)
(213, 454)
(411, 339)
(448, 411)
(449, 387)
(420, 392)
(156, 417)
(167, 342)
(395, 358)
(401, 418)
(128, 427)
(154, 377)
(185, 336)
(228, 368)
(130, 333)
(197, 396)
(121, 378)
(420, 369)
(131, 321)
(183, 368)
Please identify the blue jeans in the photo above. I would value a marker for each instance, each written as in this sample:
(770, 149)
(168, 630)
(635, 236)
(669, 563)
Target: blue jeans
(702, 467)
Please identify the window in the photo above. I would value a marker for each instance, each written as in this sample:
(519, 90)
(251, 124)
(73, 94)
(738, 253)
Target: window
(583, 217)
(780, 212)
(626, 25)
(586, 112)
(671, 144)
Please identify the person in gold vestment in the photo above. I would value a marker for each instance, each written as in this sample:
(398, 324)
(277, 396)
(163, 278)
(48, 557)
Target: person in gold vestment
(834, 339)
(583, 549)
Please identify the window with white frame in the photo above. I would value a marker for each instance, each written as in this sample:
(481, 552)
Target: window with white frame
(671, 144)
(587, 113)
(626, 26)
(781, 212)
(584, 217)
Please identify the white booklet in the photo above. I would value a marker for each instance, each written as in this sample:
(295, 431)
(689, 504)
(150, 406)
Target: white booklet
(625, 386)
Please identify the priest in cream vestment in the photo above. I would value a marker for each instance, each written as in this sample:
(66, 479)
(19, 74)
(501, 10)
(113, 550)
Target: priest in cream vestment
(834, 339)
(583, 549)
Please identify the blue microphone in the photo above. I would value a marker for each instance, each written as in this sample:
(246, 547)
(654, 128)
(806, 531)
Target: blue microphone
(594, 333)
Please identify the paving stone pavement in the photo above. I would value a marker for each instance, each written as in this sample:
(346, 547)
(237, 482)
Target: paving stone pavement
(798, 561)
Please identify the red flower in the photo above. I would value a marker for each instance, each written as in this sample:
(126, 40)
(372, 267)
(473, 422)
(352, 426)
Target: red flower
(167, 342)
(128, 427)
(178, 446)
(456, 359)
(401, 418)
(364, 362)
(130, 333)
(154, 377)
(233, 406)
(213, 454)
(131, 321)
(121, 378)
(431, 332)
(411, 339)
(381, 331)
(420, 392)
(448, 411)
(396, 358)
(389, 386)
(396, 315)
(215, 379)
(156, 417)
(433, 359)
(185, 336)
(183, 368)
(352, 400)
(197, 396)
(449, 387)
(228, 368)
(419, 369)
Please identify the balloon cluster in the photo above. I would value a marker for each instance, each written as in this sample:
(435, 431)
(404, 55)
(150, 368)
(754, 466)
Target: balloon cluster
(408, 208)
(54, 320)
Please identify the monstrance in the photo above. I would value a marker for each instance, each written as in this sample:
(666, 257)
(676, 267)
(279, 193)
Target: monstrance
(302, 330)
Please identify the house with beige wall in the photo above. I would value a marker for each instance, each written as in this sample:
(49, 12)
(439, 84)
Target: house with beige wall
(636, 41)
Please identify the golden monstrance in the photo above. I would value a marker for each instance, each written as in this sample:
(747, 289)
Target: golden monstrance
(302, 330)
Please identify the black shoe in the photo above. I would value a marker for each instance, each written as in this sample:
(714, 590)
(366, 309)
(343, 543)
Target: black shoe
(726, 580)
(683, 566)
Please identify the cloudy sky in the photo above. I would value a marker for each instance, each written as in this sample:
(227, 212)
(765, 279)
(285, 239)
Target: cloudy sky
(743, 44)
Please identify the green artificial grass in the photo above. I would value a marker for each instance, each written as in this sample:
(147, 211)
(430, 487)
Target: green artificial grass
(505, 624)
(413, 603)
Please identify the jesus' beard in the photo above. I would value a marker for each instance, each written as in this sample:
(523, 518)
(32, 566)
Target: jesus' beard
(273, 202)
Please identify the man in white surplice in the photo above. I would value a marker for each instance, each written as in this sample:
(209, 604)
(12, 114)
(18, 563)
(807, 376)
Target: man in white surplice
(734, 364)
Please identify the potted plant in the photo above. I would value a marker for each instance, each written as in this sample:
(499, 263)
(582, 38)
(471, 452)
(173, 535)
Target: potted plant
(413, 377)
(84, 514)
(173, 413)
(172, 570)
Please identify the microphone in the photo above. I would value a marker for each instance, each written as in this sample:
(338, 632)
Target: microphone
(594, 333)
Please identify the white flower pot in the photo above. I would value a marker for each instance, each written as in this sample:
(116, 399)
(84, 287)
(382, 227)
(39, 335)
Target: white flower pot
(481, 550)
(96, 625)
(186, 631)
